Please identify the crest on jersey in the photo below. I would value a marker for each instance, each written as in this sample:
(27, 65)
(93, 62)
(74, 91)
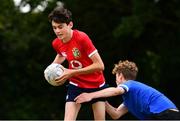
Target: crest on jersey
(76, 52)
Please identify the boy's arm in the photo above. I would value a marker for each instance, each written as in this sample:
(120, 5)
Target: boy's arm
(108, 92)
(97, 65)
(59, 59)
(116, 113)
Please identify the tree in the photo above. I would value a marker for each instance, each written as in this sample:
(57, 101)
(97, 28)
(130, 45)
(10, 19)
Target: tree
(146, 32)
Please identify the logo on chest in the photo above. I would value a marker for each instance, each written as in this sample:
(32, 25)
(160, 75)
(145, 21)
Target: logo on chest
(76, 53)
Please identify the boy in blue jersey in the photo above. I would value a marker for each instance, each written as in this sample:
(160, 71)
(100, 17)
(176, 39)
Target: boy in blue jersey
(141, 100)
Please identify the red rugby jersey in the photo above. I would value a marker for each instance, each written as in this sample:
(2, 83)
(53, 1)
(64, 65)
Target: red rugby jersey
(78, 52)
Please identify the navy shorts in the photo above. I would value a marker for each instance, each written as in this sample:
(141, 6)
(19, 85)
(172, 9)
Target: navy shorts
(74, 91)
(167, 115)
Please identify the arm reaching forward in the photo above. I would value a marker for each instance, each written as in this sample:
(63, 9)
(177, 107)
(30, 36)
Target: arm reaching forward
(116, 113)
(108, 92)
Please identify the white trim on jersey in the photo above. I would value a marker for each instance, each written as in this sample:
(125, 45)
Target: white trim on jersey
(102, 84)
(73, 83)
(124, 87)
(92, 53)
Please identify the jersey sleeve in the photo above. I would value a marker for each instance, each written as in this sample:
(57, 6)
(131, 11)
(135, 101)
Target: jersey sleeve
(87, 44)
(126, 85)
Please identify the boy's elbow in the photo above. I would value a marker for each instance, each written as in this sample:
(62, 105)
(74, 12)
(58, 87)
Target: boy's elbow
(102, 67)
(115, 117)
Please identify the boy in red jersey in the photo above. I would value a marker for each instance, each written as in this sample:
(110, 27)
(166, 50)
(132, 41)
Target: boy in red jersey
(85, 73)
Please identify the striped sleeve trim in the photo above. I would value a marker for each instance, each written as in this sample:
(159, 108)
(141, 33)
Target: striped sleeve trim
(92, 53)
(126, 88)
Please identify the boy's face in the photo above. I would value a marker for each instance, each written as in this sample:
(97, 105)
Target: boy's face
(62, 30)
(119, 78)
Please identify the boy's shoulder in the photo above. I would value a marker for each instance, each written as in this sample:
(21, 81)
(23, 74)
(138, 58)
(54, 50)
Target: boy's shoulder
(80, 35)
(56, 41)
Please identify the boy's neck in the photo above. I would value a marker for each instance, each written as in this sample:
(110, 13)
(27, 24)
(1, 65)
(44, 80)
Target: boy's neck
(68, 38)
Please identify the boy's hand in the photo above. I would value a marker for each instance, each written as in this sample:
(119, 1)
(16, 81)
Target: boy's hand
(65, 76)
(60, 81)
(84, 97)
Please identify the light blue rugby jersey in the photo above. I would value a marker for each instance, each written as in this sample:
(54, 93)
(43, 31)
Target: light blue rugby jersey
(143, 100)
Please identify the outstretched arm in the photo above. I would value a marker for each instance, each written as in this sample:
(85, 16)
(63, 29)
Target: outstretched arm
(116, 113)
(108, 92)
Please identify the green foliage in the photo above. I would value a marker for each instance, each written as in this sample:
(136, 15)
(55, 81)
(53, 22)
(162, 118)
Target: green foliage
(146, 32)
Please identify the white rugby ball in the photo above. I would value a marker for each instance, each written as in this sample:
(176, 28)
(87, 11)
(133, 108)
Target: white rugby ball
(52, 72)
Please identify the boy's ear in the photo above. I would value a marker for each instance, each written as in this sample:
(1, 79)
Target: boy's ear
(70, 24)
(121, 76)
(118, 76)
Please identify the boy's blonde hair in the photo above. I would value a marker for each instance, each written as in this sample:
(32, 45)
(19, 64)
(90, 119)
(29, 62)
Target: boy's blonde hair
(127, 68)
